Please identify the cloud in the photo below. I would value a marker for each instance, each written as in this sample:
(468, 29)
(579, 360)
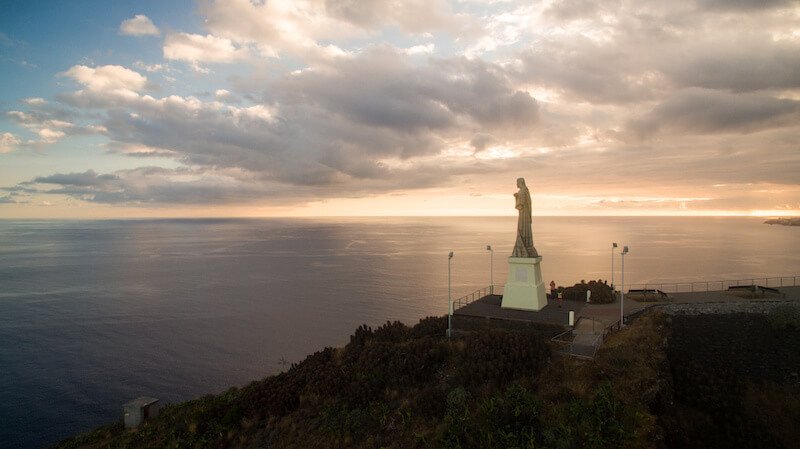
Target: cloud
(35, 120)
(742, 5)
(137, 150)
(278, 26)
(583, 70)
(49, 125)
(353, 98)
(737, 66)
(383, 112)
(380, 88)
(420, 49)
(707, 111)
(156, 185)
(105, 84)
(47, 135)
(139, 25)
(316, 29)
(150, 68)
(89, 178)
(8, 142)
(567, 10)
(225, 96)
(371, 14)
(198, 48)
(34, 101)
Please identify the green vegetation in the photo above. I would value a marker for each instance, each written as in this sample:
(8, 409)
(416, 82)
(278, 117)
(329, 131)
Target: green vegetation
(398, 386)
(735, 383)
(785, 316)
(601, 292)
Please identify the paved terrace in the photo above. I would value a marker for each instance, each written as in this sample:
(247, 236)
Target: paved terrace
(601, 314)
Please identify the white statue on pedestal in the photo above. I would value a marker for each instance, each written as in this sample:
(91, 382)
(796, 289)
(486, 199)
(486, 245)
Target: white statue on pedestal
(524, 289)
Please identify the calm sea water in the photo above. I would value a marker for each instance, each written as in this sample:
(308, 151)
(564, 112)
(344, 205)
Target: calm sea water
(95, 313)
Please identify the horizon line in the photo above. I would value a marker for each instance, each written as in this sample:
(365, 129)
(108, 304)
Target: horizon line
(256, 217)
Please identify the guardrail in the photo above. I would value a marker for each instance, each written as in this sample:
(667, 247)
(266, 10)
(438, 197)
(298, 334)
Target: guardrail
(566, 341)
(474, 296)
(708, 286)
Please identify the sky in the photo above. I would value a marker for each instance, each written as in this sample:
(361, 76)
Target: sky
(420, 107)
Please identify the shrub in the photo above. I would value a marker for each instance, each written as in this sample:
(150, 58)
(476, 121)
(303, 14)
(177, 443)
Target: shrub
(601, 292)
(456, 419)
(511, 418)
(431, 326)
(785, 316)
(599, 423)
(497, 358)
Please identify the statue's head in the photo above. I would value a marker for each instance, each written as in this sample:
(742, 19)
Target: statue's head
(520, 182)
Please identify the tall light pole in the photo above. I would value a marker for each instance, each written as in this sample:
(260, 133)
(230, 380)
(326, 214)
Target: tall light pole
(622, 290)
(449, 298)
(613, 245)
(491, 269)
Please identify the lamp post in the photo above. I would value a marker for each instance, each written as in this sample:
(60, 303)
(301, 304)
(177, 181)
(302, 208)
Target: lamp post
(491, 269)
(449, 298)
(622, 289)
(613, 245)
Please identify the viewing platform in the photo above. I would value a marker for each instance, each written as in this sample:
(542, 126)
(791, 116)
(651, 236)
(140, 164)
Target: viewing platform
(486, 302)
(593, 322)
(489, 307)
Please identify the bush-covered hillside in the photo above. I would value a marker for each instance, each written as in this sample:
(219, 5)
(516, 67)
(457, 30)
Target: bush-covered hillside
(398, 386)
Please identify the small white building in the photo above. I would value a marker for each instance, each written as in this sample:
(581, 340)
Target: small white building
(139, 409)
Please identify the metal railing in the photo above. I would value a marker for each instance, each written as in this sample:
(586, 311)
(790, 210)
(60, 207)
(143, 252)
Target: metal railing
(566, 341)
(710, 286)
(474, 296)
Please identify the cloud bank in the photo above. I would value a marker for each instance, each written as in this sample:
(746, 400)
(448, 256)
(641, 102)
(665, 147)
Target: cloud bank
(320, 99)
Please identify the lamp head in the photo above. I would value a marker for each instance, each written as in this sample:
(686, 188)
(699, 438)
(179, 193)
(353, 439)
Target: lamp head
(625, 250)
(614, 245)
(450, 256)
(488, 247)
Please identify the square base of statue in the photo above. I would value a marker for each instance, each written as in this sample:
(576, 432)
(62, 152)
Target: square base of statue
(524, 289)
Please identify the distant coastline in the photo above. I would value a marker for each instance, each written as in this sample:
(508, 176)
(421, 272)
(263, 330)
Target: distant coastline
(795, 221)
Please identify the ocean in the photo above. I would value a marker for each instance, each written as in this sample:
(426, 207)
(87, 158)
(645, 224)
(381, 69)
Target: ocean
(96, 313)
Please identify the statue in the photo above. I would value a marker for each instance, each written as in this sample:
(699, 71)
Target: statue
(524, 244)
(525, 288)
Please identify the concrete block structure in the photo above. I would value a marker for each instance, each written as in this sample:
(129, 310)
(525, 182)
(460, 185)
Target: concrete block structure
(138, 410)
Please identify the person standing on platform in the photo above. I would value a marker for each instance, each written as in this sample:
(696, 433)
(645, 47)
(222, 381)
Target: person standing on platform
(552, 289)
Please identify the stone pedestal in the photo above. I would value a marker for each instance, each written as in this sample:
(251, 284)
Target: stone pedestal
(524, 289)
